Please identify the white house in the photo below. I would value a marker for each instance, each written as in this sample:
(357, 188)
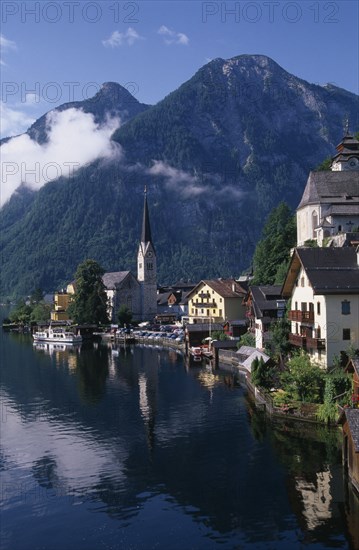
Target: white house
(323, 286)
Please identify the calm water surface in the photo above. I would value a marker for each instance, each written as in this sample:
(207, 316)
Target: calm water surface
(135, 449)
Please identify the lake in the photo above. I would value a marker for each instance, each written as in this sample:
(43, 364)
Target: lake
(138, 448)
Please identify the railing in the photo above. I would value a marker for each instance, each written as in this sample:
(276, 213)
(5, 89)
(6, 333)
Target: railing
(298, 340)
(301, 316)
(205, 305)
(316, 343)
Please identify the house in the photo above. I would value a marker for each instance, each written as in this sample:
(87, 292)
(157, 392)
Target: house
(62, 299)
(217, 301)
(264, 305)
(330, 201)
(349, 419)
(323, 286)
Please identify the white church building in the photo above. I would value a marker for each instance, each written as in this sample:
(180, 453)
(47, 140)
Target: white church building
(330, 202)
(138, 294)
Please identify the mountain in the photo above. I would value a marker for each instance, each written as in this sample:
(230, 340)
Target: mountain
(216, 155)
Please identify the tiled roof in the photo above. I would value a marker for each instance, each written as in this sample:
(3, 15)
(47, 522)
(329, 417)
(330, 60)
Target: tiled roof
(112, 279)
(352, 416)
(331, 270)
(330, 186)
(344, 209)
(265, 298)
(224, 287)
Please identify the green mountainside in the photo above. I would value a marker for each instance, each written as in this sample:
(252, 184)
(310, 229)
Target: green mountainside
(217, 155)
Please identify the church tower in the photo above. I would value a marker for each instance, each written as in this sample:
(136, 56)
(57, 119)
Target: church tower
(147, 268)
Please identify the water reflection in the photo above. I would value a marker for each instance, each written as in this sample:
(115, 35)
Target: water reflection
(179, 458)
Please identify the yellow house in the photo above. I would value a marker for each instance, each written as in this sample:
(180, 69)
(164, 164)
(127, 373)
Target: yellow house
(216, 301)
(62, 301)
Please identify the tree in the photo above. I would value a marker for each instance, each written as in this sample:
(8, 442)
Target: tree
(124, 316)
(279, 341)
(271, 255)
(90, 301)
(247, 339)
(303, 380)
(41, 311)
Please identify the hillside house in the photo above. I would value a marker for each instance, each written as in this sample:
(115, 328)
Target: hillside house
(323, 286)
(330, 201)
(264, 305)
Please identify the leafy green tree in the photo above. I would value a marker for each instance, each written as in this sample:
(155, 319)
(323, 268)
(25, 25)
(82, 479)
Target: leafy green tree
(279, 342)
(328, 411)
(40, 312)
(272, 252)
(247, 339)
(21, 313)
(303, 380)
(262, 374)
(124, 316)
(90, 301)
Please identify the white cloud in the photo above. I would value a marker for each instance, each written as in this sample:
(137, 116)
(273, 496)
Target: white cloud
(182, 181)
(74, 140)
(5, 46)
(173, 37)
(13, 121)
(122, 38)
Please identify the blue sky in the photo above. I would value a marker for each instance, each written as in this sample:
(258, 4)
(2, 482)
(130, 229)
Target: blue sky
(54, 52)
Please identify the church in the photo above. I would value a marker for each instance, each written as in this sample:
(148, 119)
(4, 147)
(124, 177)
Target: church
(330, 203)
(138, 294)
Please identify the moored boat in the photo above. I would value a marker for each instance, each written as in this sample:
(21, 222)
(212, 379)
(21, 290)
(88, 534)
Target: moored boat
(195, 351)
(57, 335)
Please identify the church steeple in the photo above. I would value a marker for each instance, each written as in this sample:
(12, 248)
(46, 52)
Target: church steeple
(146, 227)
(147, 267)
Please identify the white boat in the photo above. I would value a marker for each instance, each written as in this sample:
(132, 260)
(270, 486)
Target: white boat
(57, 335)
(195, 351)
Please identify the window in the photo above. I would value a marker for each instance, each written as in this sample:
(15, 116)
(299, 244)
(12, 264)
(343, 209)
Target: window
(202, 310)
(214, 311)
(140, 266)
(302, 281)
(346, 333)
(149, 265)
(346, 307)
(296, 306)
(318, 308)
(220, 299)
(220, 313)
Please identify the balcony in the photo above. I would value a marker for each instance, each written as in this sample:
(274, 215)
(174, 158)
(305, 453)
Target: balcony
(205, 304)
(301, 316)
(316, 344)
(298, 340)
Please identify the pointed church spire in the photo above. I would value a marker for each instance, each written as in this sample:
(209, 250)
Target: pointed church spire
(146, 228)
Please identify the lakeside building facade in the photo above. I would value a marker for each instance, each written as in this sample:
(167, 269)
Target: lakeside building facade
(323, 286)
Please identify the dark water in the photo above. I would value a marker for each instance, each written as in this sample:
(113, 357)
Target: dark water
(141, 451)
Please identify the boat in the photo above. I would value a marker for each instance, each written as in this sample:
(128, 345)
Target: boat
(57, 335)
(195, 351)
